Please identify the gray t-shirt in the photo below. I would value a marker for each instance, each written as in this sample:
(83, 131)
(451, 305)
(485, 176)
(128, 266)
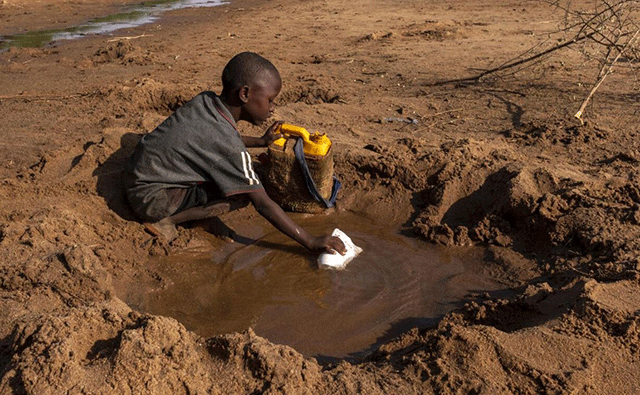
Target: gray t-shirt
(198, 143)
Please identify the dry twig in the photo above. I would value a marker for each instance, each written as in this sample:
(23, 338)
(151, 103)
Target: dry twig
(129, 37)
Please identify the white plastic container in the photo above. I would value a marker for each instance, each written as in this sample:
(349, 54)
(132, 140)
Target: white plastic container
(336, 260)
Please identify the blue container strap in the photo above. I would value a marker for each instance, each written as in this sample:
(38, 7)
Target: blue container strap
(311, 185)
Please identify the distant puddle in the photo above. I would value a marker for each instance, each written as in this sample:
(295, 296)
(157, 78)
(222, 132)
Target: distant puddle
(146, 12)
(271, 284)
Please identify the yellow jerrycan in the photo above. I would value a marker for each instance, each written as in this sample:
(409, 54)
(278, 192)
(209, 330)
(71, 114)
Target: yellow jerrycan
(299, 170)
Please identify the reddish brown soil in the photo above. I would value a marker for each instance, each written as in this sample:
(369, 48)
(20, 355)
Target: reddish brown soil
(500, 163)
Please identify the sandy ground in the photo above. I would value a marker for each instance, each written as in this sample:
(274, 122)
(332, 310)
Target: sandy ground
(500, 163)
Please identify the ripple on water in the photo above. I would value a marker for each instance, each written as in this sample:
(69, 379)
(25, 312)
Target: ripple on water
(275, 286)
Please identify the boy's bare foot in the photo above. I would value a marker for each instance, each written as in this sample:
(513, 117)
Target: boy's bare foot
(219, 229)
(163, 228)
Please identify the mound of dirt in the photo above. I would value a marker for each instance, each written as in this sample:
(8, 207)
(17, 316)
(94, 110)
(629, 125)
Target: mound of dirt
(123, 52)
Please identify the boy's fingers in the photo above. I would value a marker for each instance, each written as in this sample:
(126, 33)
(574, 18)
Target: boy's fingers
(275, 125)
(271, 132)
(337, 245)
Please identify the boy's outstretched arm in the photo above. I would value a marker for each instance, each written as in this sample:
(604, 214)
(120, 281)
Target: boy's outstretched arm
(278, 218)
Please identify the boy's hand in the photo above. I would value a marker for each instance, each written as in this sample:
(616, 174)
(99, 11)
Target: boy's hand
(270, 135)
(278, 218)
(330, 244)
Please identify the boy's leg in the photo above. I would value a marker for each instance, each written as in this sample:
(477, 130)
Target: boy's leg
(166, 227)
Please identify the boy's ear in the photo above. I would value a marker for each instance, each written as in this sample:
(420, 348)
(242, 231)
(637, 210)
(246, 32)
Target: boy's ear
(243, 94)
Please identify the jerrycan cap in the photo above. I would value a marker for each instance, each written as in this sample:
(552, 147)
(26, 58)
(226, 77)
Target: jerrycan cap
(314, 144)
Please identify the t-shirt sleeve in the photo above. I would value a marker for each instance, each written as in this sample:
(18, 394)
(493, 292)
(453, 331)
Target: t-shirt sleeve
(236, 175)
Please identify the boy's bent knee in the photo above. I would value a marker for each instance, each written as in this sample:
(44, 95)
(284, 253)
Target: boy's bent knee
(238, 201)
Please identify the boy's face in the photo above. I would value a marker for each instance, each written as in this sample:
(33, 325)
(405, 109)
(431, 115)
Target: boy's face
(259, 100)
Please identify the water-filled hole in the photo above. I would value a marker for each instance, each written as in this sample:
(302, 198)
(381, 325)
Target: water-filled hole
(269, 283)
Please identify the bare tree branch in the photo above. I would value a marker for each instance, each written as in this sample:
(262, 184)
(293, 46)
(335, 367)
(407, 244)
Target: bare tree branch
(603, 74)
(514, 63)
(607, 34)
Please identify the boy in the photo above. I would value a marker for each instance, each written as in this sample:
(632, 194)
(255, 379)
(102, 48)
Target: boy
(195, 164)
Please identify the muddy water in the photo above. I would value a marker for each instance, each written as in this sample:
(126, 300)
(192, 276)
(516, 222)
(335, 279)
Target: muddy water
(146, 12)
(269, 283)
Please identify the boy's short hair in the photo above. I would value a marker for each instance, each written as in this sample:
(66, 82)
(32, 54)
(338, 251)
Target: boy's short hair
(242, 70)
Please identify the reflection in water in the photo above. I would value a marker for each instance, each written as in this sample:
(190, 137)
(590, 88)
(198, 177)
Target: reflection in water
(271, 284)
(147, 12)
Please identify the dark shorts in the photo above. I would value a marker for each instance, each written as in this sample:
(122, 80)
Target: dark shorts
(165, 202)
(197, 195)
